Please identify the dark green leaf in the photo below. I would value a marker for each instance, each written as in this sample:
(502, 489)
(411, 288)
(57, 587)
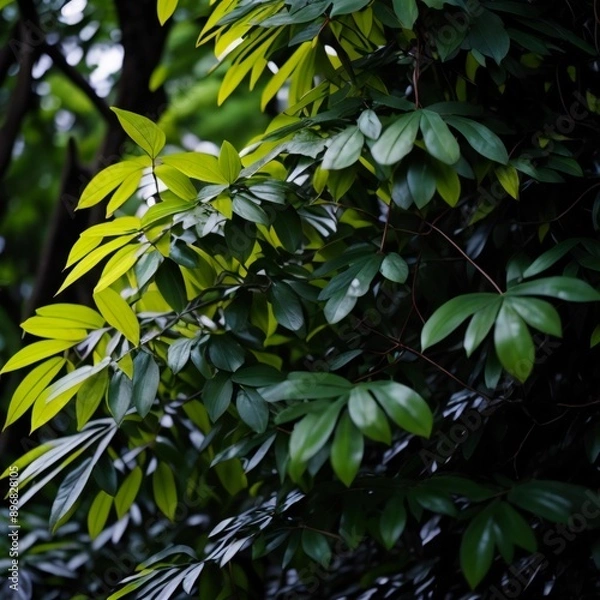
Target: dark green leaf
(480, 325)
(217, 395)
(563, 288)
(421, 182)
(538, 314)
(146, 378)
(171, 285)
(488, 36)
(394, 268)
(477, 548)
(225, 353)
(439, 141)
(120, 391)
(253, 410)
(550, 257)
(392, 522)
(300, 386)
(179, 354)
(397, 140)
(515, 526)
(406, 11)
(315, 545)
(368, 417)
(480, 138)
(286, 306)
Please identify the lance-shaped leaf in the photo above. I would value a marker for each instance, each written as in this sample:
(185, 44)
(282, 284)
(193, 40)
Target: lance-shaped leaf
(118, 313)
(146, 134)
(397, 140)
(513, 343)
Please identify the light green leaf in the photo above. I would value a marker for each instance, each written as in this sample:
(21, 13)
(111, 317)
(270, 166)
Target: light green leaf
(146, 134)
(447, 182)
(369, 124)
(538, 314)
(347, 450)
(563, 288)
(368, 417)
(118, 314)
(165, 490)
(197, 165)
(84, 316)
(508, 177)
(404, 406)
(439, 141)
(98, 513)
(394, 268)
(397, 140)
(344, 149)
(125, 191)
(513, 343)
(451, 314)
(480, 325)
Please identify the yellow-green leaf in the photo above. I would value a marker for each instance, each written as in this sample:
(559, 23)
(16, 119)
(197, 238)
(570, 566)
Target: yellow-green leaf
(35, 352)
(165, 9)
(447, 182)
(176, 181)
(56, 329)
(128, 492)
(122, 261)
(165, 490)
(118, 226)
(93, 258)
(127, 189)
(146, 134)
(98, 514)
(229, 162)
(118, 313)
(104, 182)
(508, 177)
(82, 247)
(84, 316)
(197, 165)
(89, 396)
(31, 387)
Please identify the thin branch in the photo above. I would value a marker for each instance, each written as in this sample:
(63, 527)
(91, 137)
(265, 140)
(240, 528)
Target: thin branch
(79, 80)
(467, 257)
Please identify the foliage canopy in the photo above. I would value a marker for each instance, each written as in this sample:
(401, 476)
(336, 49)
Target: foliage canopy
(360, 341)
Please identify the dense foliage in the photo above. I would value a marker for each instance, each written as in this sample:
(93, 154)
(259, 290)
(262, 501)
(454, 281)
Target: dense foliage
(354, 357)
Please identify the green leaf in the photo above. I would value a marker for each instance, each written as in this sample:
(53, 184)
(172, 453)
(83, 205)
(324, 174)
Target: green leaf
(421, 182)
(513, 343)
(480, 325)
(368, 417)
(307, 386)
(35, 352)
(407, 12)
(404, 406)
(197, 165)
(165, 9)
(89, 396)
(249, 210)
(515, 526)
(257, 376)
(316, 547)
(286, 306)
(119, 395)
(118, 314)
(392, 522)
(477, 548)
(394, 268)
(165, 490)
(312, 432)
(435, 500)
(84, 316)
(176, 182)
(253, 410)
(57, 329)
(345, 7)
(217, 395)
(451, 314)
(225, 353)
(146, 134)
(31, 387)
(344, 149)
(447, 182)
(488, 36)
(128, 492)
(552, 500)
(98, 513)
(171, 285)
(509, 179)
(563, 288)
(482, 139)
(146, 379)
(229, 162)
(550, 257)
(347, 450)
(179, 354)
(397, 140)
(439, 141)
(369, 124)
(538, 314)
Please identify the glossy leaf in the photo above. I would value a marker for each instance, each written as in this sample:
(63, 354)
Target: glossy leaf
(368, 417)
(146, 378)
(118, 313)
(346, 450)
(477, 548)
(482, 139)
(397, 140)
(439, 140)
(513, 343)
